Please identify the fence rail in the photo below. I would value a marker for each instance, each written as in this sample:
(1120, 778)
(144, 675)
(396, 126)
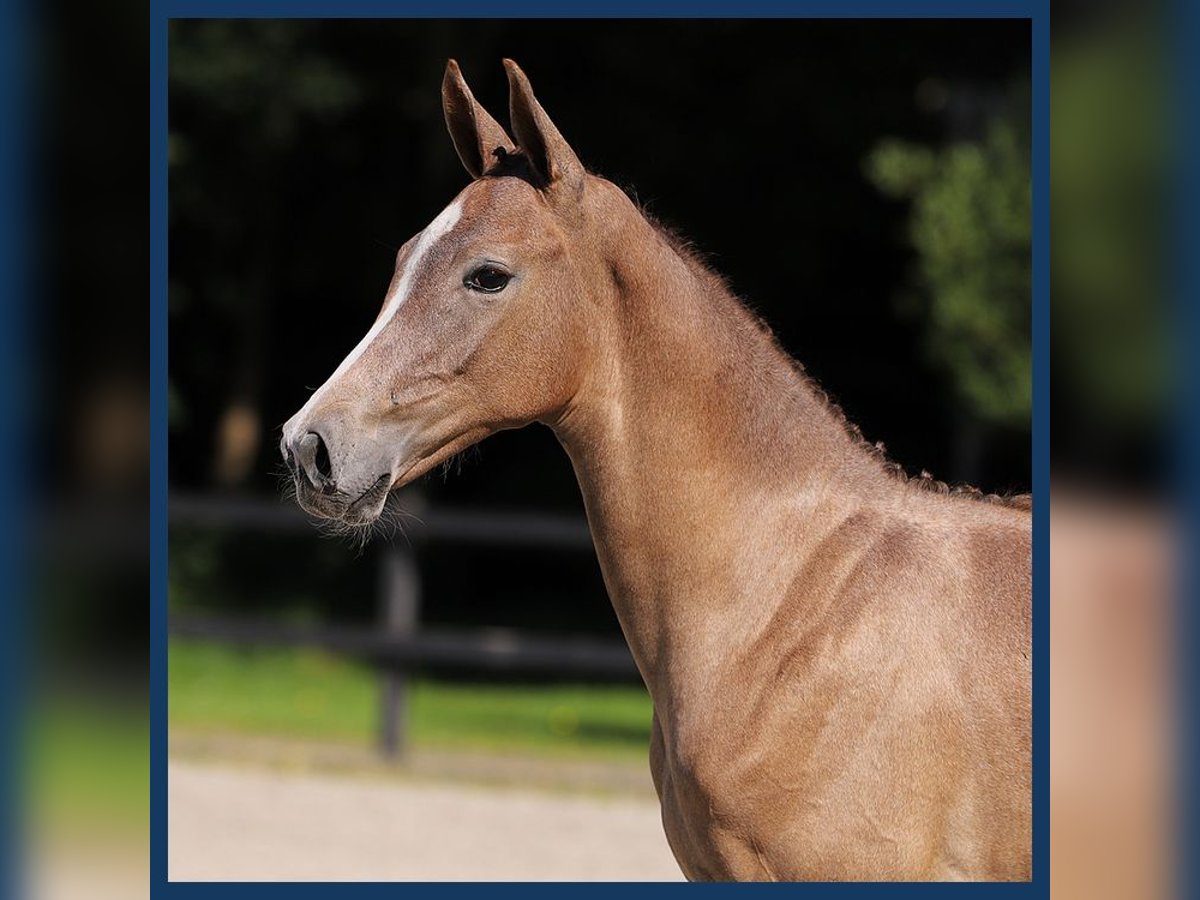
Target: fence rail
(449, 524)
(398, 644)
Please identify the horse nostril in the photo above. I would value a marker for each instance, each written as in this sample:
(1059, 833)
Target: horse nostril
(312, 459)
(322, 461)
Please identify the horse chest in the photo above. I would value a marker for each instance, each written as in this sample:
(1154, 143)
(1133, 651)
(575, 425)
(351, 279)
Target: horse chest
(714, 829)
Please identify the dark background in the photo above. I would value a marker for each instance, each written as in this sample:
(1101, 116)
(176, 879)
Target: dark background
(303, 154)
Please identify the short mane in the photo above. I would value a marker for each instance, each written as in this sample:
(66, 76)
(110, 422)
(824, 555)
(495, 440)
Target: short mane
(688, 251)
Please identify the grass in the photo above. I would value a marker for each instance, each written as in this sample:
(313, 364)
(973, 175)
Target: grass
(305, 693)
(87, 763)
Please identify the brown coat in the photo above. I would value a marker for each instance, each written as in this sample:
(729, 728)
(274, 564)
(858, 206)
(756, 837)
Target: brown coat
(839, 659)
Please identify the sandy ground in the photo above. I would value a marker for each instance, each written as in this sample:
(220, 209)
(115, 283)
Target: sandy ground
(91, 866)
(246, 823)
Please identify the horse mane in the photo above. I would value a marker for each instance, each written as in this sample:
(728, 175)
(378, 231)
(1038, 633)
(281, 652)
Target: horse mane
(875, 451)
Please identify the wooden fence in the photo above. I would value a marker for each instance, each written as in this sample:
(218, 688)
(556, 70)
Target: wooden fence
(398, 644)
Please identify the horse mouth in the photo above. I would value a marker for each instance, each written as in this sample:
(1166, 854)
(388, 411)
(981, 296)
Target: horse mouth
(349, 509)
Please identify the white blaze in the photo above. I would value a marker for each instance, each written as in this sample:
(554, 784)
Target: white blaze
(436, 229)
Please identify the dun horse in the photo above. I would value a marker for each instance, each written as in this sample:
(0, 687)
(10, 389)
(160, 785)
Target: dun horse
(839, 658)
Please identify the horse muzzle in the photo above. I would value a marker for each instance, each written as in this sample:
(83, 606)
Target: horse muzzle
(332, 488)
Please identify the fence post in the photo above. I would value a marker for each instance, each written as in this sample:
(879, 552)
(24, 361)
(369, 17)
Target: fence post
(400, 595)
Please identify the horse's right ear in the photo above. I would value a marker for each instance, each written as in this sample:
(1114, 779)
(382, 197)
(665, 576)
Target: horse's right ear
(476, 134)
(541, 142)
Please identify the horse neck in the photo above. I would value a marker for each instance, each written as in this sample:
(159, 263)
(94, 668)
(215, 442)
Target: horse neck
(704, 458)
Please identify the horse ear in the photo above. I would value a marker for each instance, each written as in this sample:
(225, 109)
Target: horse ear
(476, 134)
(547, 150)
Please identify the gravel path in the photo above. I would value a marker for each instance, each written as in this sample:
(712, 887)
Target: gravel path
(249, 824)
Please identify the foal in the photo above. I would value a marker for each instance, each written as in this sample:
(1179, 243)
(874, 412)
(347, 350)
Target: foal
(839, 659)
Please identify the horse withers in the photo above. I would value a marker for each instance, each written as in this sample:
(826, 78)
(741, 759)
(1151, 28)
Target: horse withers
(839, 658)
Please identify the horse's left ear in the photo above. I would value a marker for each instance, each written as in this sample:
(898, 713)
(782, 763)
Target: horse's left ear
(547, 150)
(476, 134)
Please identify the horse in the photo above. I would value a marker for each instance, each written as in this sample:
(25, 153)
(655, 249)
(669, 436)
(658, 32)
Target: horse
(838, 656)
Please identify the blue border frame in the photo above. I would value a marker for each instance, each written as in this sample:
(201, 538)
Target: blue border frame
(1185, 464)
(15, 245)
(161, 11)
(1041, 447)
(158, 448)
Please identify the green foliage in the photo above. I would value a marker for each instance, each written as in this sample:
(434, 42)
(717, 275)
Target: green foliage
(1109, 159)
(971, 227)
(264, 72)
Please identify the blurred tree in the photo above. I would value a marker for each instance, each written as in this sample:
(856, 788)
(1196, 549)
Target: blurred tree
(1110, 158)
(970, 225)
(266, 79)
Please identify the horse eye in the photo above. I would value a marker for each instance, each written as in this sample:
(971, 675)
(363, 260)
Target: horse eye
(488, 279)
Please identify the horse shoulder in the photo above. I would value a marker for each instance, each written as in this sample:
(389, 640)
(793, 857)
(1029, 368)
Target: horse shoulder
(865, 668)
